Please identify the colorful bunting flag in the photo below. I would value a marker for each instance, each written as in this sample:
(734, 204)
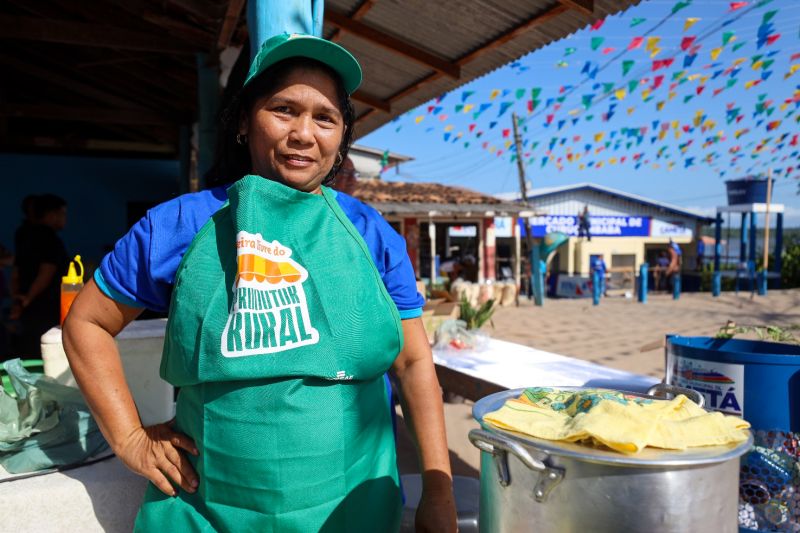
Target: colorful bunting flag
(690, 21)
(635, 43)
(626, 66)
(596, 42)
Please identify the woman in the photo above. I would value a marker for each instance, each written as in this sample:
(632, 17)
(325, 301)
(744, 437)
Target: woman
(285, 303)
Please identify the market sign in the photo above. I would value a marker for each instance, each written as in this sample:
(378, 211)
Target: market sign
(462, 231)
(503, 227)
(605, 226)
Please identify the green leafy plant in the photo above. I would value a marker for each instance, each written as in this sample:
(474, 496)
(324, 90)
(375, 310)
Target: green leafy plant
(764, 333)
(475, 317)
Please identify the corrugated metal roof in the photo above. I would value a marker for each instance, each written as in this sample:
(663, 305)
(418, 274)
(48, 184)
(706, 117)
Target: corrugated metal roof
(552, 191)
(451, 30)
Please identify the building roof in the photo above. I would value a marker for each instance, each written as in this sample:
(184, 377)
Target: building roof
(394, 157)
(396, 197)
(593, 187)
(121, 77)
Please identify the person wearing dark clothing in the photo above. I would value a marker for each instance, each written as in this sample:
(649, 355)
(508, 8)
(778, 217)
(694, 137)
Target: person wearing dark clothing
(584, 226)
(40, 260)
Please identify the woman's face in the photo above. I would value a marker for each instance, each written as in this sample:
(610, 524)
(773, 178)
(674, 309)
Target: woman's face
(295, 132)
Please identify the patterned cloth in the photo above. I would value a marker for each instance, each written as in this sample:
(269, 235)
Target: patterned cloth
(619, 421)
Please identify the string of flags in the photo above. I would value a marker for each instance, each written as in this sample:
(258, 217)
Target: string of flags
(653, 72)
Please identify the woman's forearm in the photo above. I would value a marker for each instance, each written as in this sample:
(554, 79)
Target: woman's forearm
(422, 406)
(88, 338)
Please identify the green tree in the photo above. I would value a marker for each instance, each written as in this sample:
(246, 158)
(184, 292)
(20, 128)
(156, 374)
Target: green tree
(790, 272)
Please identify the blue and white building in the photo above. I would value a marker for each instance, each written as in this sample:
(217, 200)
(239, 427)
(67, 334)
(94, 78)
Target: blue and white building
(626, 229)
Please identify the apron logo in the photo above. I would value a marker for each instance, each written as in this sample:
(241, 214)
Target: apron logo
(269, 313)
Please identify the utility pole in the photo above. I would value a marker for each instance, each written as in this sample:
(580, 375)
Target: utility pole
(533, 253)
(522, 185)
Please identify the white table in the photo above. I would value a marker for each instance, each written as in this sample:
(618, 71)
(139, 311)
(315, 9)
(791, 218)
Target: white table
(506, 365)
(104, 496)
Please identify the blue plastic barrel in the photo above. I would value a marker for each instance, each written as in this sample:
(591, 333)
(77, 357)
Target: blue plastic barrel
(755, 379)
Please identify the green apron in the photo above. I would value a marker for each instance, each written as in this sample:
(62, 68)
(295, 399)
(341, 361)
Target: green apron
(279, 335)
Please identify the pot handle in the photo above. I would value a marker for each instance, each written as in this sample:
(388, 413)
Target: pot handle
(666, 388)
(499, 446)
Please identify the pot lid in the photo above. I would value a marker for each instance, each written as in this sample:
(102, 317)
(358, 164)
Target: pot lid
(653, 457)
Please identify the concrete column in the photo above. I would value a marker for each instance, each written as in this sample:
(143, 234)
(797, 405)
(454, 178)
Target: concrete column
(571, 256)
(481, 255)
(208, 93)
(184, 158)
(432, 236)
(489, 249)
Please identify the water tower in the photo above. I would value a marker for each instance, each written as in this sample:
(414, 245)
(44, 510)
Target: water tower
(750, 197)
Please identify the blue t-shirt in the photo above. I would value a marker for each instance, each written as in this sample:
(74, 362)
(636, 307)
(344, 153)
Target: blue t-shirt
(599, 265)
(140, 271)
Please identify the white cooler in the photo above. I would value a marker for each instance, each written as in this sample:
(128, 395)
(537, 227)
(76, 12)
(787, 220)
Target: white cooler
(140, 345)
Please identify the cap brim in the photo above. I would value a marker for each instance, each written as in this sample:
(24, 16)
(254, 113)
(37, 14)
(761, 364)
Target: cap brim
(326, 52)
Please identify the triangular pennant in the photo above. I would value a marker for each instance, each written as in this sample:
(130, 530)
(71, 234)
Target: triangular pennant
(691, 21)
(626, 66)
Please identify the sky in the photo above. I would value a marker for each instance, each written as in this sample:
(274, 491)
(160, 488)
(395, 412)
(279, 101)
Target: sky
(593, 109)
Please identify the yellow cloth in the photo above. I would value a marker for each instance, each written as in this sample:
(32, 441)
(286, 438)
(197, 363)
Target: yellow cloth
(622, 422)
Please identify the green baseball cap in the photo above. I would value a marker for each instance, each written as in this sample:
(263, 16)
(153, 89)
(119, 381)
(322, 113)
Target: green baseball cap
(288, 45)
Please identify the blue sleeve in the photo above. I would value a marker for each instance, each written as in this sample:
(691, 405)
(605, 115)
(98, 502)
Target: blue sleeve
(140, 271)
(388, 250)
(126, 274)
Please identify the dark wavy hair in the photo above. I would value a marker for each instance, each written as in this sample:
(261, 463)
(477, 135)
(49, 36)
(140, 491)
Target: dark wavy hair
(232, 160)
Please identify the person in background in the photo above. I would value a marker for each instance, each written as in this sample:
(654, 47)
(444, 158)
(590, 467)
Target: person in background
(659, 272)
(701, 251)
(584, 226)
(599, 265)
(40, 260)
(346, 177)
(6, 260)
(674, 268)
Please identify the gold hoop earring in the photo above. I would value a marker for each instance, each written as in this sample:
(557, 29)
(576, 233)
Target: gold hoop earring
(241, 139)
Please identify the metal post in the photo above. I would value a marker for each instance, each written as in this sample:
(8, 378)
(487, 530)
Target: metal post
(743, 240)
(643, 273)
(751, 256)
(779, 247)
(716, 276)
(537, 277)
(596, 287)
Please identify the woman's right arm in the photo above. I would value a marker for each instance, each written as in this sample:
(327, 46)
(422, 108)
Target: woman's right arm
(153, 452)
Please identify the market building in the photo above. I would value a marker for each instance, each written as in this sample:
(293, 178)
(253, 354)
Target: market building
(441, 223)
(626, 229)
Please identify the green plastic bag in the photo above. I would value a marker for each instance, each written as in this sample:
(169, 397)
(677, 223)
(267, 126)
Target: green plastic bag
(47, 425)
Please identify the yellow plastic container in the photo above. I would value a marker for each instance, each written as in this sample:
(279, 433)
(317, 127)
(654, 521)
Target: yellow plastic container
(71, 285)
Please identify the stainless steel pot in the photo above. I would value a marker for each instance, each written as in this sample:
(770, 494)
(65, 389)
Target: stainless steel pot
(530, 484)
